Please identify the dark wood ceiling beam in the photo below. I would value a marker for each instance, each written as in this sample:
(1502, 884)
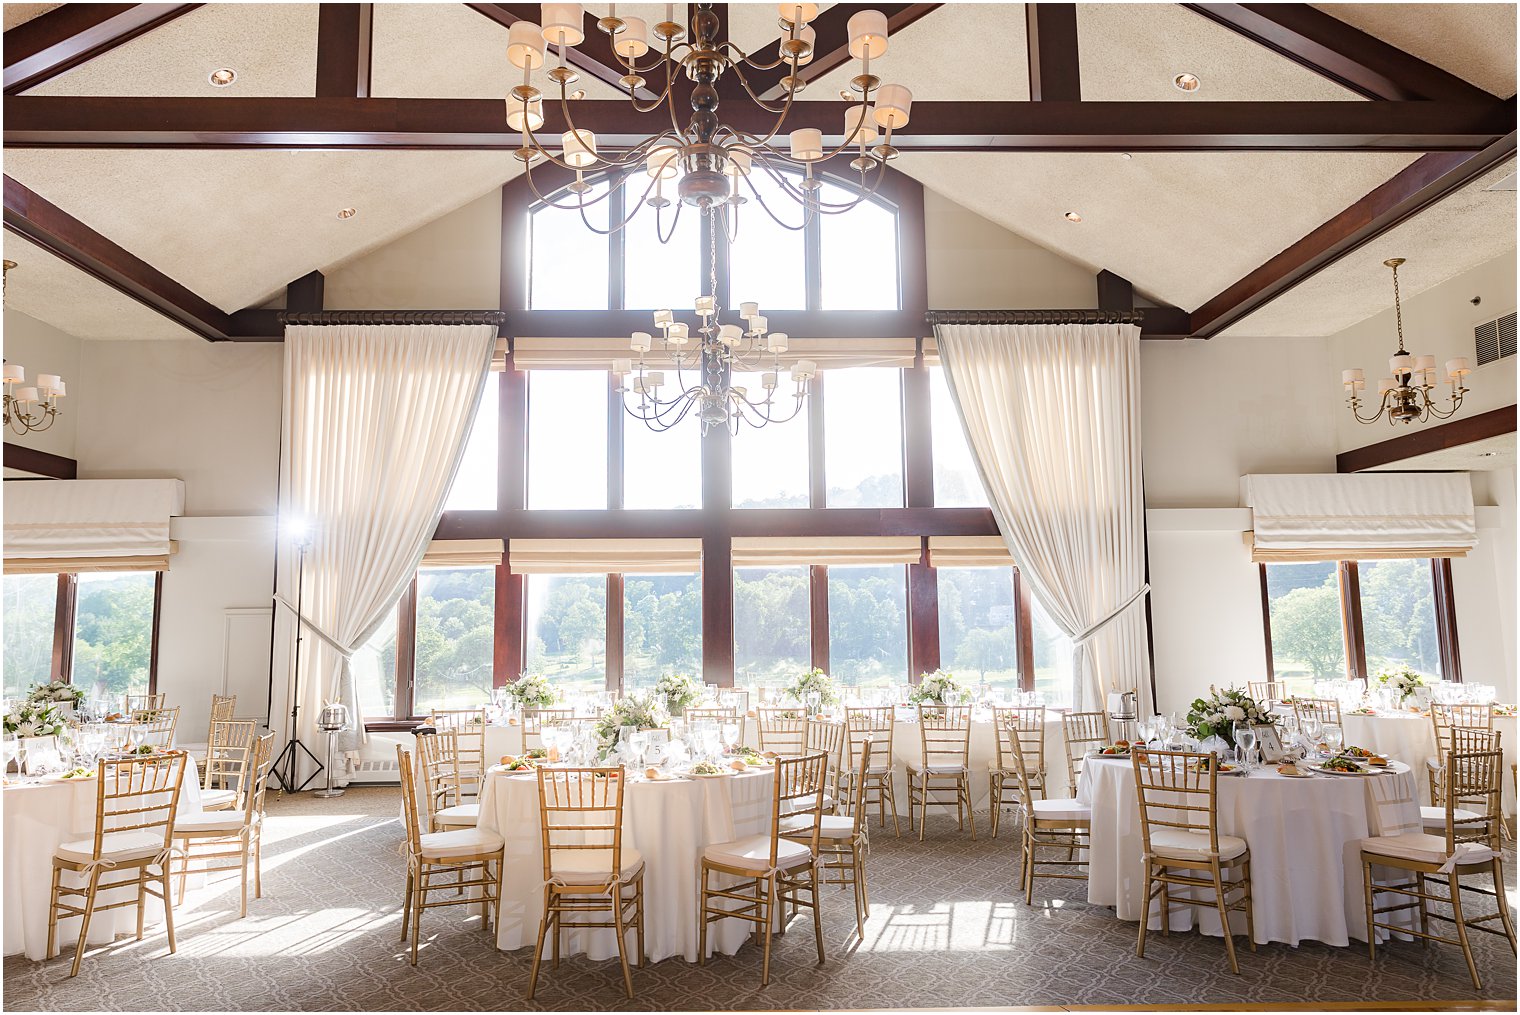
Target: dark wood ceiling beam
(1455, 434)
(593, 57)
(345, 44)
(305, 294)
(1054, 74)
(1416, 188)
(343, 123)
(1115, 292)
(56, 231)
(1335, 50)
(831, 49)
(39, 463)
(49, 44)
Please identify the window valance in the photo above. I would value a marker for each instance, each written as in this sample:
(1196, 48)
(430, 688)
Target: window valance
(969, 551)
(599, 353)
(779, 551)
(90, 525)
(604, 556)
(464, 553)
(1364, 516)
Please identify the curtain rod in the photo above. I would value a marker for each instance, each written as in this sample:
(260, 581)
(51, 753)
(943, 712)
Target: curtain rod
(1035, 316)
(336, 317)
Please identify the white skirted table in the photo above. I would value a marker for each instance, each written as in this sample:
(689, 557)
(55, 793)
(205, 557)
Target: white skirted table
(1410, 737)
(669, 822)
(1303, 834)
(39, 815)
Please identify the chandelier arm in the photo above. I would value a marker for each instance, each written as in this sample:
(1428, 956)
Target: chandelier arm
(783, 113)
(767, 209)
(637, 205)
(739, 72)
(1382, 407)
(674, 222)
(550, 202)
(670, 83)
(826, 207)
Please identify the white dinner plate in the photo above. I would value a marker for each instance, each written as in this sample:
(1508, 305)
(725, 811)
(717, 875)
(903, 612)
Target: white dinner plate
(1333, 771)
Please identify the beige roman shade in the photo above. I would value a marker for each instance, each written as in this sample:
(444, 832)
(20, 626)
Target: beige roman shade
(464, 553)
(581, 354)
(88, 525)
(89, 565)
(604, 556)
(1364, 516)
(838, 353)
(778, 551)
(969, 551)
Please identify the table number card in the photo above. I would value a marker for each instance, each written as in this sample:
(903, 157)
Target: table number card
(1271, 744)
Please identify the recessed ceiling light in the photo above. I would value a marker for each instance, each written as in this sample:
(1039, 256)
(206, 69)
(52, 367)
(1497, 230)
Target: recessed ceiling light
(1186, 82)
(1072, 216)
(347, 213)
(222, 77)
(1488, 454)
(579, 93)
(1126, 156)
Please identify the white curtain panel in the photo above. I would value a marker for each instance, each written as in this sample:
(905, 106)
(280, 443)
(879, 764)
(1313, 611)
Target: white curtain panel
(375, 424)
(1052, 413)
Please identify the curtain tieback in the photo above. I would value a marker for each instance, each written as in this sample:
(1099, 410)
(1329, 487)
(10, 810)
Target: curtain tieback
(1082, 637)
(327, 639)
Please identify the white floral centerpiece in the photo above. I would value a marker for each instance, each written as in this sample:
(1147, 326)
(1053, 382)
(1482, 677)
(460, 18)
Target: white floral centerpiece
(934, 688)
(58, 692)
(1401, 680)
(678, 691)
(642, 710)
(1217, 714)
(814, 690)
(532, 690)
(34, 719)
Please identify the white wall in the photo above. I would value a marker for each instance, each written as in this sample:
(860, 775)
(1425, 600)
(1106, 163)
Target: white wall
(974, 264)
(43, 349)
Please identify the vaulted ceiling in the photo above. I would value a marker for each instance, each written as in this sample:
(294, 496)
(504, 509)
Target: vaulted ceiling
(235, 227)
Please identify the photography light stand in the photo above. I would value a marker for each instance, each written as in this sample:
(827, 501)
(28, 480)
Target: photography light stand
(285, 766)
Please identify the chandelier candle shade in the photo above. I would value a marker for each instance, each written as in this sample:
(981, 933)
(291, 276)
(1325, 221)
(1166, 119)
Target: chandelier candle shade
(1404, 396)
(28, 408)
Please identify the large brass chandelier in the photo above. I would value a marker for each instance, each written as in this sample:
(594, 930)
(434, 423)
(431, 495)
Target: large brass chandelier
(1404, 396)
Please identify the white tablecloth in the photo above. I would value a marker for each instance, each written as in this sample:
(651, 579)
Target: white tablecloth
(1303, 834)
(1410, 738)
(38, 816)
(668, 822)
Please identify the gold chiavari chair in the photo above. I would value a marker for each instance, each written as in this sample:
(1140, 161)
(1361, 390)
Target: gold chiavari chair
(135, 803)
(443, 795)
(873, 726)
(156, 726)
(1082, 732)
(842, 840)
(944, 764)
(229, 744)
(140, 702)
(774, 869)
(826, 736)
(1179, 823)
(469, 728)
(1325, 711)
(1462, 740)
(534, 719)
(231, 835)
(1443, 719)
(587, 869)
(1263, 691)
(1468, 846)
(1026, 725)
(465, 853)
(720, 715)
(782, 730)
(1048, 824)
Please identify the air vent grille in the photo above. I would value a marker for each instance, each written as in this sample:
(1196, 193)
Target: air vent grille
(1495, 339)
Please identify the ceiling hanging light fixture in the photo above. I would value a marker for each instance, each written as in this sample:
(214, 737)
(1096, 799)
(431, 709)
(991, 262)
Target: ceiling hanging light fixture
(1405, 396)
(707, 162)
(27, 409)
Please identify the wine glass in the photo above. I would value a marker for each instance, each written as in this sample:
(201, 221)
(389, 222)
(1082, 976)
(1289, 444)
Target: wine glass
(1245, 739)
(1334, 737)
(730, 735)
(1311, 727)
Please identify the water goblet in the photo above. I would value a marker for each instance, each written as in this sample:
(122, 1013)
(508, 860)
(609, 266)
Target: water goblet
(1334, 737)
(1245, 739)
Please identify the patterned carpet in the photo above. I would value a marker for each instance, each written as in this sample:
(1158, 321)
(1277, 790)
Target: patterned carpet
(947, 929)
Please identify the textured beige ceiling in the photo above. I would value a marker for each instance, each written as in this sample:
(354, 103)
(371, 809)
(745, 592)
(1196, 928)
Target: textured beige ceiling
(57, 293)
(1470, 227)
(272, 47)
(235, 227)
(1479, 456)
(1476, 42)
(1180, 226)
(20, 14)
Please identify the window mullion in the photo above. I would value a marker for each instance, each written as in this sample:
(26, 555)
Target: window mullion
(1446, 618)
(818, 607)
(1351, 620)
(1023, 608)
(616, 246)
(64, 611)
(158, 602)
(615, 641)
(406, 652)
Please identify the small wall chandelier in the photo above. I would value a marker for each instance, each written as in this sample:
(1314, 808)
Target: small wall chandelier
(707, 158)
(721, 349)
(29, 409)
(1405, 396)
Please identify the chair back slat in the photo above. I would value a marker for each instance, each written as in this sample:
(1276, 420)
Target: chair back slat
(140, 702)
(862, 769)
(533, 720)
(156, 725)
(409, 801)
(223, 706)
(1020, 763)
(229, 744)
(1177, 789)
(138, 794)
(581, 809)
(255, 781)
(1264, 690)
(1445, 718)
(872, 724)
(1026, 726)
(441, 781)
(1474, 780)
(1326, 710)
(945, 734)
(782, 730)
(720, 715)
(827, 737)
(798, 798)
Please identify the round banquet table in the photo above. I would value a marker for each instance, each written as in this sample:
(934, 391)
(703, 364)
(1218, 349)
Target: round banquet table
(1304, 837)
(1410, 737)
(39, 815)
(669, 822)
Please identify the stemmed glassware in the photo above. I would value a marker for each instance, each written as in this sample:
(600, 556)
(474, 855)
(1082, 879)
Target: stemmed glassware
(1334, 737)
(1245, 739)
(1311, 728)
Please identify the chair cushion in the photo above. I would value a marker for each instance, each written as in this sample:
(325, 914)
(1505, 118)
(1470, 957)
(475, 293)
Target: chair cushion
(114, 846)
(460, 842)
(216, 799)
(938, 768)
(1062, 810)
(210, 821)
(1417, 846)
(594, 866)
(753, 853)
(791, 806)
(1433, 763)
(830, 826)
(458, 816)
(1180, 844)
(1435, 817)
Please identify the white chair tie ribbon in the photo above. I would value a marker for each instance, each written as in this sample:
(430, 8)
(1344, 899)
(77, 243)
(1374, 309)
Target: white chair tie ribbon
(1466, 853)
(89, 869)
(611, 889)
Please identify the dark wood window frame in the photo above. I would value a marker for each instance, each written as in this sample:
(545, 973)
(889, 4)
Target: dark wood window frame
(65, 616)
(1352, 631)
